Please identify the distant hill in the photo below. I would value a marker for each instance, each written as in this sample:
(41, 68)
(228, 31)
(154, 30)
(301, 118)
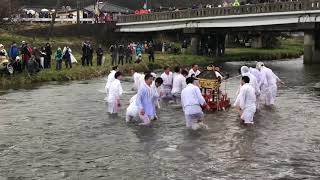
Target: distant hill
(132, 4)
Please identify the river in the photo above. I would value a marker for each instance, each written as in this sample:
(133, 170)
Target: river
(62, 131)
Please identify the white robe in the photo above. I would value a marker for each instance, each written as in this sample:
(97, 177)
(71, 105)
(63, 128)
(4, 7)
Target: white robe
(192, 100)
(257, 75)
(136, 81)
(110, 79)
(132, 110)
(246, 100)
(269, 86)
(192, 72)
(115, 91)
(167, 83)
(179, 83)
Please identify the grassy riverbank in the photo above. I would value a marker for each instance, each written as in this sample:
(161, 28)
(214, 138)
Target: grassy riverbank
(290, 48)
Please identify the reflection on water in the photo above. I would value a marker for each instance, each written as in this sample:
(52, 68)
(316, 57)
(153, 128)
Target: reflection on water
(63, 132)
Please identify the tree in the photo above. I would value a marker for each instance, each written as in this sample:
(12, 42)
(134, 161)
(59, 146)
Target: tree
(54, 15)
(6, 10)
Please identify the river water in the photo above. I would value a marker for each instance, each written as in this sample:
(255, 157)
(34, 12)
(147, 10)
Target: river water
(62, 131)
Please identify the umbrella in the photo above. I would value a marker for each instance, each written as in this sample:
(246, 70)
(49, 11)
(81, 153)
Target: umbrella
(44, 10)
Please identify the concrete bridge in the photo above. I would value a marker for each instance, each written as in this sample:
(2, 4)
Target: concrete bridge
(297, 16)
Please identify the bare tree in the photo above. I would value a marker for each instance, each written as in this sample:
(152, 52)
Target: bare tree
(6, 10)
(54, 15)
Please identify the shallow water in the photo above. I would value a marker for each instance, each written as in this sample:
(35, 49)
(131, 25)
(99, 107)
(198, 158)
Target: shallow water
(63, 132)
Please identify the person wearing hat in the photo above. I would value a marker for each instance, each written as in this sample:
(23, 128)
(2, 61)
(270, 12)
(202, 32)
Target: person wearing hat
(192, 102)
(269, 85)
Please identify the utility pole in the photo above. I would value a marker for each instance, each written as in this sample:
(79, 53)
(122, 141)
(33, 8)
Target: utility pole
(78, 17)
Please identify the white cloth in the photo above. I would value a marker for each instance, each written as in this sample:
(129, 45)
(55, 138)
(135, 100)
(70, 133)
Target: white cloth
(115, 91)
(269, 86)
(257, 75)
(179, 83)
(132, 110)
(73, 59)
(218, 75)
(110, 79)
(192, 100)
(246, 100)
(192, 72)
(167, 83)
(136, 81)
(245, 71)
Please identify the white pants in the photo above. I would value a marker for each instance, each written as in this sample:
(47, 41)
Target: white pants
(113, 107)
(132, 113)
(269, 94)
(247, 114)
(192, 120)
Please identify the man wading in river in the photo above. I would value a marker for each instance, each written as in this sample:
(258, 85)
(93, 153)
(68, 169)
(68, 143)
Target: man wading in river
(192, 102)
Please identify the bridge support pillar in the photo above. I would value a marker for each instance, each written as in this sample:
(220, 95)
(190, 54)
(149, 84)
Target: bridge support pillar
(311, 47)
(257, 42)
(194, 44)
(220, 45)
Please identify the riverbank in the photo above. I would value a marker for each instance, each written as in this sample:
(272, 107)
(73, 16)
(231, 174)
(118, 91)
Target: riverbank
(290, 48)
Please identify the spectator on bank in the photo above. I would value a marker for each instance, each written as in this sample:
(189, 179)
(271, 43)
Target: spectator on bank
(151, 52)
(67, 57)
(129, 54)
(90, 57)
(85, 54)
(58, 58)
(121, 52)
(37, 55)
(13, 52)
(26, 52)
(113, 52)
(99, 55)
(47, 58)
(184, 47)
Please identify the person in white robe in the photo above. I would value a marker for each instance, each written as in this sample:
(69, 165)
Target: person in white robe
(257, 75)
(177, 71)
(136, 80)
(133, 109)
(246, 101)
(269, 85)
(192, 102)
(110, 78)
(194, 71)
(245, 71)
(145, 101)
(167, 78)
(114, 94)
(179, 83)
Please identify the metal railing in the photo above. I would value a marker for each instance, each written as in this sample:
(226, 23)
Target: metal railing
(301, 5)
(61, 20)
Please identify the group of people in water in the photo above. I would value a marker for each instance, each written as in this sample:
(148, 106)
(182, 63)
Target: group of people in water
(181, 87)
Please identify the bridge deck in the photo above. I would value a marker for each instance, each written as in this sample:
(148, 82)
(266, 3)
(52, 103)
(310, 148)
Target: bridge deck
(301, 5)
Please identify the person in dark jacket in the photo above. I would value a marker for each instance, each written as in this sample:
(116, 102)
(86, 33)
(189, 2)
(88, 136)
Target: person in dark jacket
(47, 58)
(67, 57)
(37, 55)
(26, 53)
(85, 54)
(129, 54)
(151, 52)
(121, 54)
(90, 55)
(99, 55)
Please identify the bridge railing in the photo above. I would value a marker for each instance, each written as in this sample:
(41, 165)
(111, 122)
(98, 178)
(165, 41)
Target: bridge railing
(301, 5)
